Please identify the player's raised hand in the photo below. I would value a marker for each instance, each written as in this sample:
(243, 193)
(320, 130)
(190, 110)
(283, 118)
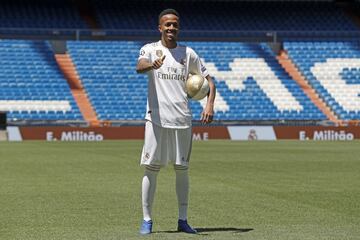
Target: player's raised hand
(158, 62)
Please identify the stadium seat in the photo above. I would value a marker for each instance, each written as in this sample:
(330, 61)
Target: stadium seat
(117, 92)
(333, 70)
(32, 83)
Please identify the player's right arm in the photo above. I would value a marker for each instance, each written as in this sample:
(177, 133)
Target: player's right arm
(144, 65)
(144, 61)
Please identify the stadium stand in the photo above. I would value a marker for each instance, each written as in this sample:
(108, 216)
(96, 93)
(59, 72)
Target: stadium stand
(332, 69)
(136, 20)
(107, 71)
(31, 85)
(234, 16)
(251, 83)
(39, 14)
(264, 90)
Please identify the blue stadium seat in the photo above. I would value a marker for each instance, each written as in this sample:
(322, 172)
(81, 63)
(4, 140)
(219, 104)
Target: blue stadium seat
(31, 82)
(117, 92)
(333, 70)
(41, 14)
(236, 18)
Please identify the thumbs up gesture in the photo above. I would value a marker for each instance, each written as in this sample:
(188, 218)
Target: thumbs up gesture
(158, 62)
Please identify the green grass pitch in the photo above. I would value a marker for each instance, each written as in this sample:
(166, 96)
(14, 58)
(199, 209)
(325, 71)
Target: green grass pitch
(279, 190)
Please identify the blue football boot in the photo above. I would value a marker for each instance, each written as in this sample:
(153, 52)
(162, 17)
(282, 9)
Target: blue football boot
(183, 226)
(146, 227)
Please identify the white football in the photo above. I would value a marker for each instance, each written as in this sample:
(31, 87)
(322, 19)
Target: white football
(197, 87)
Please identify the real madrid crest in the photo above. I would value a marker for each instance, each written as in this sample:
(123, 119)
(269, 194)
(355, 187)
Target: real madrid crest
(159, 53)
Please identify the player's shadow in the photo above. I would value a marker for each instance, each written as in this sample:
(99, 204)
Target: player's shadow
(204, 231)
(224, 229)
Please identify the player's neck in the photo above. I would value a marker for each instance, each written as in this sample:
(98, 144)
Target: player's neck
(168, 44)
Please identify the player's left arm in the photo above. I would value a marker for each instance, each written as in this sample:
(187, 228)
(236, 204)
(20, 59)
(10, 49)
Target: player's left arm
(196, 67)
(208, 112)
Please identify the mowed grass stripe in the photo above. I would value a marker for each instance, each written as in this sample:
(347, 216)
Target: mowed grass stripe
(249, 190)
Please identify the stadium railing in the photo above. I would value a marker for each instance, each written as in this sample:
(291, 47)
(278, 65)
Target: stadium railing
(143, 34)
(118, 123)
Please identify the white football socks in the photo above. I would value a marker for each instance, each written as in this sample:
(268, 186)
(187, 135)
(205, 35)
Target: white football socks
(148, 190)
(182, 190)
(149, 186)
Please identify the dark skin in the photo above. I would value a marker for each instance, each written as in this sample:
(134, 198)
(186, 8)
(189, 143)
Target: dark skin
(169, 28)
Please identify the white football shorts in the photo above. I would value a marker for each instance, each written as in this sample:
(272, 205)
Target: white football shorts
(165, 145)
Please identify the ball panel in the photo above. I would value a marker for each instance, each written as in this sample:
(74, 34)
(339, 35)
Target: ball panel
(193, 84)
(203, 92)
(197, 87)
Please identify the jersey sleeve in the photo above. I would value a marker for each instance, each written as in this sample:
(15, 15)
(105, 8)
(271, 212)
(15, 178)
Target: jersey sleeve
(196, 66)
(144, 52)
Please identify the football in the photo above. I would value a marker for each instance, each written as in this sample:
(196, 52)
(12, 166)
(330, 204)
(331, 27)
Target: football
(197, 87)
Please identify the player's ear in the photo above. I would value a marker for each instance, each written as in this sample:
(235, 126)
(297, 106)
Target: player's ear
(160, 28)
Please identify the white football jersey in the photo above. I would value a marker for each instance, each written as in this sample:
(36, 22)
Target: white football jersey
(167, 102)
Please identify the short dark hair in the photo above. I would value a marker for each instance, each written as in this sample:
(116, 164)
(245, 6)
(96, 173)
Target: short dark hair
(168, 11)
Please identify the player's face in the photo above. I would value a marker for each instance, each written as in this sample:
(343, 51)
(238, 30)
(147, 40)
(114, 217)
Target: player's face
(169, 27)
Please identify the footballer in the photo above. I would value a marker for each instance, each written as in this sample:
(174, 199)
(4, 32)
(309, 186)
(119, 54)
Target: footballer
(168, 134)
